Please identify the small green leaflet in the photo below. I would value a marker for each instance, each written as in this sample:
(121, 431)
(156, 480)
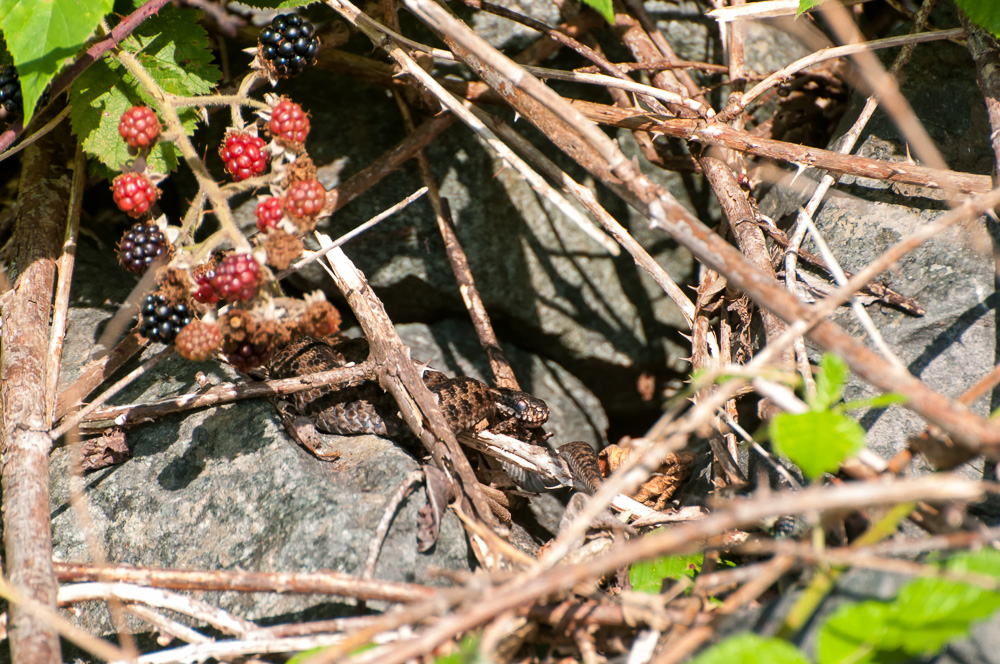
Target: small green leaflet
(751, 649)
(806, 5)
(830, 382)
(171, 46)
(603, 8)
(647, 576)
(985, 13)
(925, 615)
(43, 36)
(816, 441)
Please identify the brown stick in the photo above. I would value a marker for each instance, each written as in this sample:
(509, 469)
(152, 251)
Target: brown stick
(986, 55)
(596, 152)
(727, 137)
(43, 202)
(370, 175)
(400, 378)
(305, 583)
(746, 230)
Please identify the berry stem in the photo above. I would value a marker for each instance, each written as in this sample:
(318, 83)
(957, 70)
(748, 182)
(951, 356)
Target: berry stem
(168, 112)
(244, 92)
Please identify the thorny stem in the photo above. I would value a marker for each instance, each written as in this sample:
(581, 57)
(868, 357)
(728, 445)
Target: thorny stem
(168, 111)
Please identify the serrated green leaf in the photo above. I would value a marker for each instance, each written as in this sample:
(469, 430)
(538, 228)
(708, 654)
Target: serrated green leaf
(806, 5)
(44, 36)
(880, 401)
(751, 649)
(984, 13)
(604, 8)
(171, 48)
(817, 441)
(647, 576)
(829, 382)
(919, 622)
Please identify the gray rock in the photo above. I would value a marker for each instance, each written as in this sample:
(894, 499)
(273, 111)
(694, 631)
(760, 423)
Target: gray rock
(951, 276)
(225, 488)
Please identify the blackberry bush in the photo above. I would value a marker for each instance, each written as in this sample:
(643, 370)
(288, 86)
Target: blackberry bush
(289, 44)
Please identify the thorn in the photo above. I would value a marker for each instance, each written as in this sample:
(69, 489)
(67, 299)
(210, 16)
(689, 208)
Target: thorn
(799, 169)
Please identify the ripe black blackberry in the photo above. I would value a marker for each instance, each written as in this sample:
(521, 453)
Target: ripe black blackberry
(160, 321)
(10, 90)
(140, 246)
(289, 44)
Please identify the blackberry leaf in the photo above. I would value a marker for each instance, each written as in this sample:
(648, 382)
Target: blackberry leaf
(170, 46)
(44, 36)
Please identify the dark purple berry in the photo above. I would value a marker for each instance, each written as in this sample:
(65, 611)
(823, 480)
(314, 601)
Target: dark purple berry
(140, 246)
(289, 44)
(160, 321)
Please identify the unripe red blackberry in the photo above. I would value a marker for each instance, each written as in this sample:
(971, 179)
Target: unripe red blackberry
(141, 245)
(289, 124)
(304, 199)
(205, 292)
(289, 44)
(134, 193)
(243, 155)
(139, 126)
(198, 340)
(237, 277)
(160, 321)
(269, 213)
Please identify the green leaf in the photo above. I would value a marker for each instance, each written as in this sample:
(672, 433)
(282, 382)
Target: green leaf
(468, 653)
(817, 441)
(806, 5)
(44, 36)
(880, 401)
(171, 48)
(984, 13)
(829, 382)
(603, 8)
(647, 576)
(919, 622)
(751, 649)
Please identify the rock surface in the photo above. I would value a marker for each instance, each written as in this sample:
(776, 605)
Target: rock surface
(547, 286)
(951, 275)
(225, 488)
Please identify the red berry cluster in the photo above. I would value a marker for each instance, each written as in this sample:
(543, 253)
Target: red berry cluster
(269, 213)
(139, 126)
(243, 155)
(305, 199)
(134, 193)
(198, 340)
(289, 124)
(204, 290)
(237, 277)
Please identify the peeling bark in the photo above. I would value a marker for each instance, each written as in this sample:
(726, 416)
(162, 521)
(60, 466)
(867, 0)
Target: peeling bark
(43, 202)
